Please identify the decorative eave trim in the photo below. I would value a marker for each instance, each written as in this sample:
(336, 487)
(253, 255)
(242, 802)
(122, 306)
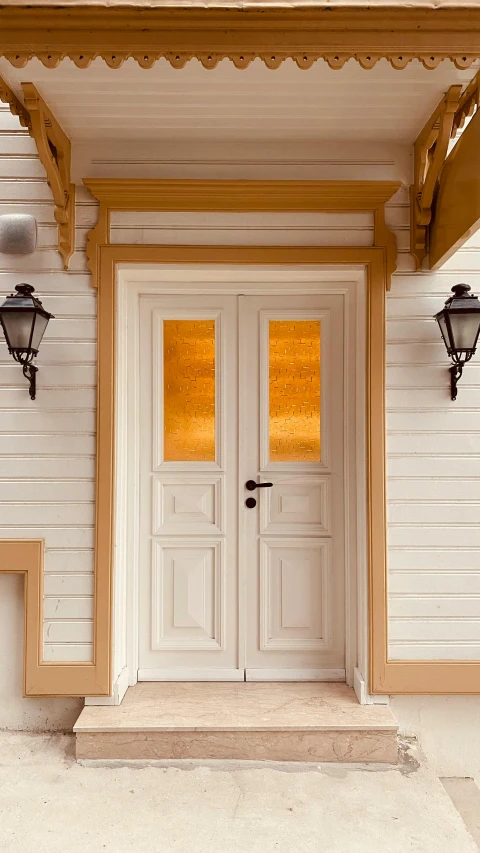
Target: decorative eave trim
(240, 197)
(210, 35)
(54, 150)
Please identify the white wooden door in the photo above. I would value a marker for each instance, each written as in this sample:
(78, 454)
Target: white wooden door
(292, 436)
(227, 591)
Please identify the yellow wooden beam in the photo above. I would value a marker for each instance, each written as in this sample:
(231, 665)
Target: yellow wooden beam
(457, 206)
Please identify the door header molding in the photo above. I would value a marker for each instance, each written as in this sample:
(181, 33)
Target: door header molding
(241, 197)
(116, 33)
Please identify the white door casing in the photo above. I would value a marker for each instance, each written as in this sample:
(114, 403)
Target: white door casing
(306, 497)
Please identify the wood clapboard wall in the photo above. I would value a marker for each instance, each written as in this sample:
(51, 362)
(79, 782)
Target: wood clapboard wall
(433, 468)
(47, 449)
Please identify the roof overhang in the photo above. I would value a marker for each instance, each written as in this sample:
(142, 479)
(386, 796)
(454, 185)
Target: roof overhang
(306, 34)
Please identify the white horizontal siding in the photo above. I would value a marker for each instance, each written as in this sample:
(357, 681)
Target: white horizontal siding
(436, 650)
(420, 558)
(64, 585)
(47, 447)
(433, 464)
(247, 229)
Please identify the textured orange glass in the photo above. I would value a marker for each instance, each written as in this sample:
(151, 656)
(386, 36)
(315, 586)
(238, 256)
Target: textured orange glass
(189, 390)
(294, 390)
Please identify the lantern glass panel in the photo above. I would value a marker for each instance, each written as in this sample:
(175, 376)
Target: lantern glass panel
(444, 329)
(38, 330)
(464, 330)
(18, 326)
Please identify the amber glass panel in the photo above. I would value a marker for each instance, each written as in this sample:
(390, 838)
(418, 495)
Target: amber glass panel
(294, 390)
(189, 390)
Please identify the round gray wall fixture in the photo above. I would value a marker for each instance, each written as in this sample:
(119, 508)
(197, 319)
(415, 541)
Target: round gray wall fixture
(18, 234)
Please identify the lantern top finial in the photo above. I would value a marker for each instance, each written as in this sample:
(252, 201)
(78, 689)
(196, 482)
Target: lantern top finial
(460, 289)
(24, 289)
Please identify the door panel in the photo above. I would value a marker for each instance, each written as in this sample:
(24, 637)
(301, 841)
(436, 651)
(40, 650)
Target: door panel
(296, 504)
(292, 433)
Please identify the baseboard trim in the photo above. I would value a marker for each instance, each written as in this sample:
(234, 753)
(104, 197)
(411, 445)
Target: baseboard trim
(295, 675)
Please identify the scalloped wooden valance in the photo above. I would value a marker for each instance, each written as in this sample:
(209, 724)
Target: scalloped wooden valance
(305, 35)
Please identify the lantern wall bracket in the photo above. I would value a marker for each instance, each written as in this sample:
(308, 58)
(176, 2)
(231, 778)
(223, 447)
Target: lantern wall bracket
(456, 371)
(54, 150)
(29, 372)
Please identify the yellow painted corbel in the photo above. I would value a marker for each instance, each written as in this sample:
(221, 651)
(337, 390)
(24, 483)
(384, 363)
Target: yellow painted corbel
(54, 150)
(430, 151)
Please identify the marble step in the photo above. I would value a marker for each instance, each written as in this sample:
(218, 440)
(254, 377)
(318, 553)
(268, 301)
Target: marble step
(242, 721)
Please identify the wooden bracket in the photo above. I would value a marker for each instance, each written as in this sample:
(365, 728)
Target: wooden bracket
(54, 150)
(469, 103)
(430, 151)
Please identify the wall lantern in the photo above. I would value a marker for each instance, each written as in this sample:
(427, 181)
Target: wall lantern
(24, 321)
(459, 324)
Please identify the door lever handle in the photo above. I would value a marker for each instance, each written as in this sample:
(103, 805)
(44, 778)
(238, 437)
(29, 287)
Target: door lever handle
(251, 485)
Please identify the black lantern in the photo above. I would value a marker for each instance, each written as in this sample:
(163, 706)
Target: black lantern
(459, 324)
(24, 321)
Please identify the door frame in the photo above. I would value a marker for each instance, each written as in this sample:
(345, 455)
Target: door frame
(132, 283)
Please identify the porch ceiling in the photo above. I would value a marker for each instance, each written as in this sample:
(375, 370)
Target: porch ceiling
(162, 103)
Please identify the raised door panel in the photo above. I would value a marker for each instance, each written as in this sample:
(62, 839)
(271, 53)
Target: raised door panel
(190, 505)
(187, 595)
(297, 504)
(294, 604)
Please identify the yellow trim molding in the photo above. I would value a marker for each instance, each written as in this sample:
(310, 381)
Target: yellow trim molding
(374, 260)
(25, 556)
(54, 150)
(305, 35)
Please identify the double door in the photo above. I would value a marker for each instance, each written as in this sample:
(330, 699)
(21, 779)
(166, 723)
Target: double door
(242, 516)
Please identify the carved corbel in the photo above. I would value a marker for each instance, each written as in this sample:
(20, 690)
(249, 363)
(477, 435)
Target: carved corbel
(430, 151)
(54, 150)
(468, 104)
(16, 106)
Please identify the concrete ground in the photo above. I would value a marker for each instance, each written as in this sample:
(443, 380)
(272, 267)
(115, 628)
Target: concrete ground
(50, 803)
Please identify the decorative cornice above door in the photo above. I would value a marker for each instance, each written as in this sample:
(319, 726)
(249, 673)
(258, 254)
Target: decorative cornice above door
(241, 197)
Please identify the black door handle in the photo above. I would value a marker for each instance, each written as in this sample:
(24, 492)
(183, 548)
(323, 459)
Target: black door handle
(251, 485)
